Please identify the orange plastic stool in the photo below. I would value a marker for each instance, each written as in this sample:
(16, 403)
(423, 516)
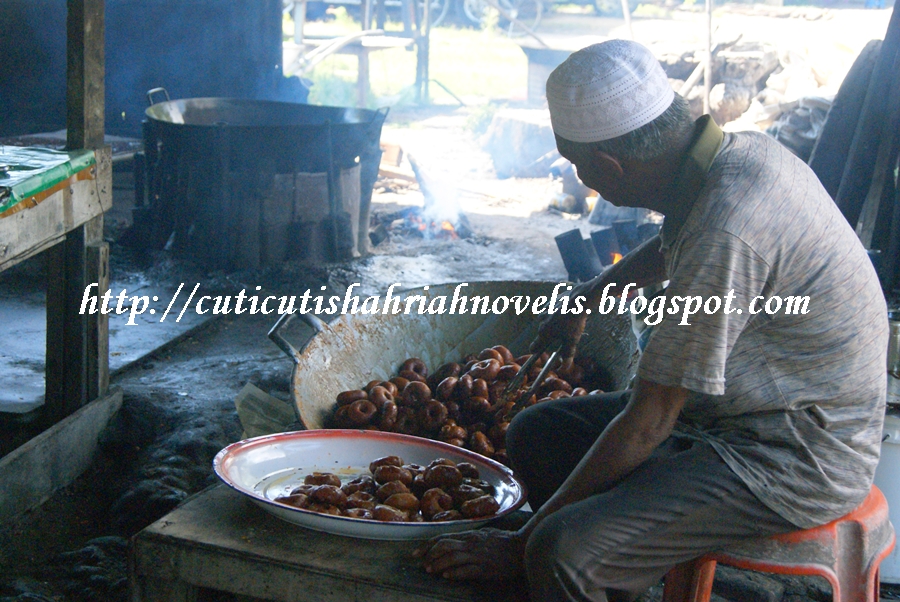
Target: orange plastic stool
(846, 551)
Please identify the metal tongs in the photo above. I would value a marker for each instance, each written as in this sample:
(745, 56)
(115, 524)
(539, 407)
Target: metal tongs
(519, 378)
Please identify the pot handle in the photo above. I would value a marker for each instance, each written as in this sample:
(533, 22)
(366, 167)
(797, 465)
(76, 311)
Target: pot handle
(153, 91)
(275, 333)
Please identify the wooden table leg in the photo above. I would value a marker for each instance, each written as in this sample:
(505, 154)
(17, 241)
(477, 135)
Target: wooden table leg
(97, 270)
(77, 361)
(66, 388)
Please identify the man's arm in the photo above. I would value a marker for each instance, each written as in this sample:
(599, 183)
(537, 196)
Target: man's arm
(643, 266)
(626, 443)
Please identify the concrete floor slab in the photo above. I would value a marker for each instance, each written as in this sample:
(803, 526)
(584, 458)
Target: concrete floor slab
(23, 339)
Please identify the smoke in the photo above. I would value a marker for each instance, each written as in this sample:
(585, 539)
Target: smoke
(441, 195)
(194, 49)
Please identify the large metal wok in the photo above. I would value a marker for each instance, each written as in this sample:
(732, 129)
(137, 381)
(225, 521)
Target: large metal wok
(355, 349)
(250, 130)
(212, 165)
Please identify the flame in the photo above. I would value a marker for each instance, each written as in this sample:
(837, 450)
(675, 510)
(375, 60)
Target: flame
(616, 257)
(430, 229)
(447, 231)
(417, 223)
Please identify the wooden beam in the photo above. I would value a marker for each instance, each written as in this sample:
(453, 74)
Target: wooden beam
(68, 205)
(85, 73)
(31, 473)
(97, 344)
(77, 345)
(67, 330)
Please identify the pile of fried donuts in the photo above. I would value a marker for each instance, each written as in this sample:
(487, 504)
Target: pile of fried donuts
(459, 403)
(399, 492)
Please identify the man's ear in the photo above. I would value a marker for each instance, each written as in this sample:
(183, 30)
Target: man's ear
(608, 162)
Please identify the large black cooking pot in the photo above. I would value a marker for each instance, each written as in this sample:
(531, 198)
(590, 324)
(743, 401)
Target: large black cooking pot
(293, 135)
(204, 155)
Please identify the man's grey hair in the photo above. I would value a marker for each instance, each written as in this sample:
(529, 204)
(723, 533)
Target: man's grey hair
(653, 139)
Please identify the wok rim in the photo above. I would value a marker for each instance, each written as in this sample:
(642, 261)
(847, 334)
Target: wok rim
(251, 102)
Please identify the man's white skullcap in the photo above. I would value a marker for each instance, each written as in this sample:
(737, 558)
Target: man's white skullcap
(607, 90)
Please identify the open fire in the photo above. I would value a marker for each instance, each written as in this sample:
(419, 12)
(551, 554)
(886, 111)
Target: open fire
(412, 222)
(429, 228)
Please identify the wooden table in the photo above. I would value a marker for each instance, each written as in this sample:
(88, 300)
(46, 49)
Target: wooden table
(53, 202)
(65, 220)
(361, 48)
(47, 194)
(220, 540)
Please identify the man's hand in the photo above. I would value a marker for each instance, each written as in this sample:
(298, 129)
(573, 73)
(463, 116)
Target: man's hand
(484, 555)
(641, 267)
(565, 330)
(560, 329)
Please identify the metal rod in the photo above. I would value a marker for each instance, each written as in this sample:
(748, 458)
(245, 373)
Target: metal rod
(626, 12)
(535, 385)
(447, 90)
(707, 69)
(426, 17)
(516, 382)
(304, 63)
(506, 15)
(698, 72)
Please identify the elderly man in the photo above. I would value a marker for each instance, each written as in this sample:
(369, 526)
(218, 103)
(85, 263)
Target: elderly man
(741, 423)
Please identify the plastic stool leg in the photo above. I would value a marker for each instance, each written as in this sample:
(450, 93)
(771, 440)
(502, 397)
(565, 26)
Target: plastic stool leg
(690, 581)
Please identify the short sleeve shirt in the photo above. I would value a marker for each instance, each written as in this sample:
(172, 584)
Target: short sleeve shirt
(792, 396)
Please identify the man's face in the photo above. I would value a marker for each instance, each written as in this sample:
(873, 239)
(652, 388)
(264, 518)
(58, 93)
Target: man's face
(599, 173)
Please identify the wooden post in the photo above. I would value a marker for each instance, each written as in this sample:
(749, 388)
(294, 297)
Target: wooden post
(299, 14)
(66, 372)
(408, 14)
(362, 59)
(381, 16)
(707, 69)
(85, 73)
(422, 53)
(626, 13)
(77, 345)
(366, 14)
(97, 344)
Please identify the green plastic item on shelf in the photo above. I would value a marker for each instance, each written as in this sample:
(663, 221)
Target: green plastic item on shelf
(26, 171)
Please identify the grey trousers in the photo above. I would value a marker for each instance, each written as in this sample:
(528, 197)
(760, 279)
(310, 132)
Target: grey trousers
(682, 502)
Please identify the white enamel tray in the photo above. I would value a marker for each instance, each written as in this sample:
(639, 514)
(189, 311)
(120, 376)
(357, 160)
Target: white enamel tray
(264, 468)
